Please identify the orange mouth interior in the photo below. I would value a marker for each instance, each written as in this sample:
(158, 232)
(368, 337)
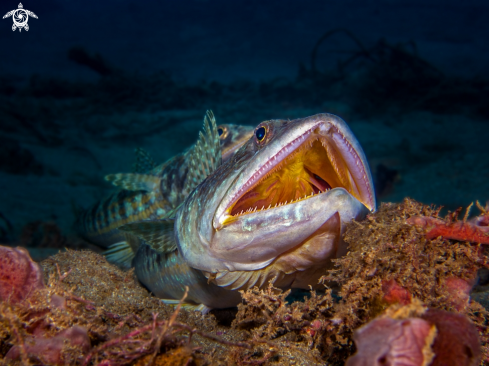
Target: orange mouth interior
(314, 168)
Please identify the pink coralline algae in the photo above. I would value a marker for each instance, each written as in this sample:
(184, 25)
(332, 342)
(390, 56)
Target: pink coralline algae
(457, 341)
(433, 337)
(19, 274)
(394, 342)
(49, 350)
(20, 277)
(459, 289)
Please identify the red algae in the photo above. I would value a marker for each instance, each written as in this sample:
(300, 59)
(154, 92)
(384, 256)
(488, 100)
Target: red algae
(19, 274)
(415, 336)
(387, 341)
(49, 350)
(457, 342)
(391, 275)
(393, 293)
(473, 231)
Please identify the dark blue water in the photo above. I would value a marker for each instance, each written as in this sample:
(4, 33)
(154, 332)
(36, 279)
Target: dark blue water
(90, 81)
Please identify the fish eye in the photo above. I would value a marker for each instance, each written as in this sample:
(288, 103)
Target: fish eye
(222, 131)
(260, 133)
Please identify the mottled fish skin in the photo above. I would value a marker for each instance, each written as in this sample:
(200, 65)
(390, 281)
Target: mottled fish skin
(99, 224)
(218, 251)
(168, 274)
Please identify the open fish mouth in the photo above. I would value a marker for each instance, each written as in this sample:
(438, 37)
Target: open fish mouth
(319, 159)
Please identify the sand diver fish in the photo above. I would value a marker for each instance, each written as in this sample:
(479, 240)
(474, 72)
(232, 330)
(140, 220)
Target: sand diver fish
(275, 211)
(149, 194)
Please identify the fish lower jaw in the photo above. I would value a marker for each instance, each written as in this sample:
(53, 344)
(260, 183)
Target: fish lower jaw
(228, 218)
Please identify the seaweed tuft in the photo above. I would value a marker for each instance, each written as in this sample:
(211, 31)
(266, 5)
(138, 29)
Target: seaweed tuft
(385, 247)
(90, 312)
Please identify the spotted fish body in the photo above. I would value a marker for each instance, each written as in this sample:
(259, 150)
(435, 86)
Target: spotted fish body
(167, 275)
(275, 211)
(150, 194)
(100, 224)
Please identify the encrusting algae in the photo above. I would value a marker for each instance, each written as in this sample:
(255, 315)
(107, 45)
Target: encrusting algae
(92, 313)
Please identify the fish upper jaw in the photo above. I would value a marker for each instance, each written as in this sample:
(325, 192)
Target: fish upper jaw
(346, 160)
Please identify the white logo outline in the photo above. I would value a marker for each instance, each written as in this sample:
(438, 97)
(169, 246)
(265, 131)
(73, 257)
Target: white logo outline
(20, 17)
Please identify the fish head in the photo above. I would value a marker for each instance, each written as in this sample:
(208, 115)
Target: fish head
(232, 137)
(293, 183)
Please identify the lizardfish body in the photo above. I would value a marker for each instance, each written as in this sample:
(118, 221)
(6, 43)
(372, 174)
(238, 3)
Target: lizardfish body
(275, 211)
(150, 194)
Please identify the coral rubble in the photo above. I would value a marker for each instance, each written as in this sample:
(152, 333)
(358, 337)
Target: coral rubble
(394, 281)
(390, 261)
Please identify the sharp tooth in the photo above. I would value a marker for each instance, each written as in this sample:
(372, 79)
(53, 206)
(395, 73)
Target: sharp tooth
(269, 206)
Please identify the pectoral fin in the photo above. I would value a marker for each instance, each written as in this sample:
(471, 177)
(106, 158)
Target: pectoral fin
(123, 252)
(133, 181)
(187, 306)
(159, 235)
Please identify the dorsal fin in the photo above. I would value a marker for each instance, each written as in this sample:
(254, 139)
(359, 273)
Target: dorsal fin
(205, 156)
(144, 162)
(134, 182)
(159, 235)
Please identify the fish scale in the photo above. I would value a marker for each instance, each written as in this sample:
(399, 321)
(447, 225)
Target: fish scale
(148, 194)
(102, 220)
(170, 274)
(218, 242)
(201, 228)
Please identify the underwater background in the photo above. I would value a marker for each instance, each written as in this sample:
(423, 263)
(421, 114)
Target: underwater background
(91, 81)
